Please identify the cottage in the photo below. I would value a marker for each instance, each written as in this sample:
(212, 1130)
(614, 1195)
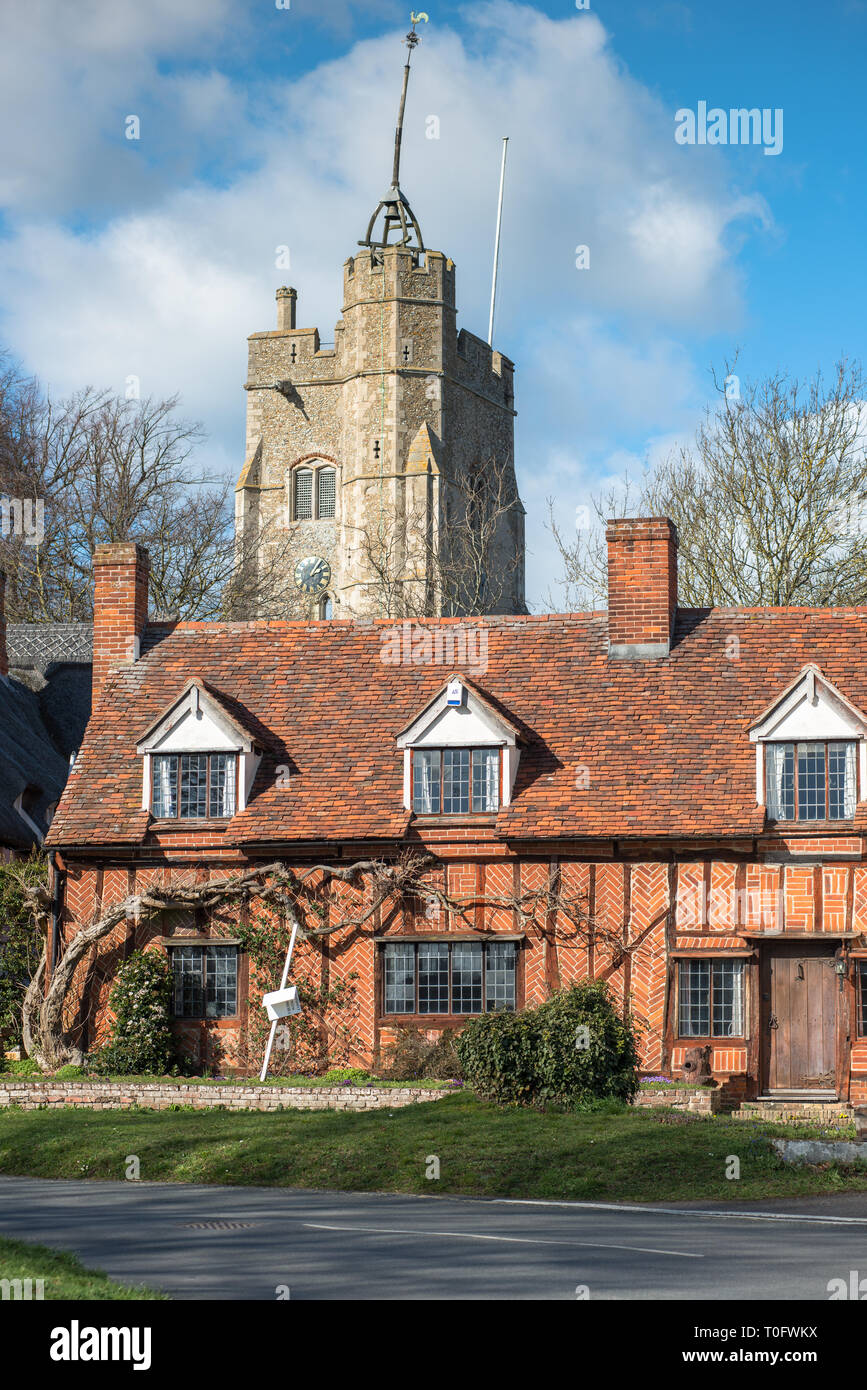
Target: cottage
(673, 800)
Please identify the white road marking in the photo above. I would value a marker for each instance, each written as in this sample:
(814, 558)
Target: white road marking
(512, 1240)
(679, 1211)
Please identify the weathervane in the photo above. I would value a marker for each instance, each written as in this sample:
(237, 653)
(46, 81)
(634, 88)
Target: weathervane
(397, 211)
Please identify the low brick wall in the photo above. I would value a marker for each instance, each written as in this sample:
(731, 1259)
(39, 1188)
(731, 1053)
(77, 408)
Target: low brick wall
(833, 1113)
(158, 1095)
(705, 1100)
(698, 1100)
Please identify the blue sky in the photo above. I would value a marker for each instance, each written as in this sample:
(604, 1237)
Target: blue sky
(263, 127)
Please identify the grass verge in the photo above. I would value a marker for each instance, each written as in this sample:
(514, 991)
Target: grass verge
(613, 1154)
(64, 1276)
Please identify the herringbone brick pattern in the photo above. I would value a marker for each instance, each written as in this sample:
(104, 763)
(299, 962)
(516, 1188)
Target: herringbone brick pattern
(750, 898)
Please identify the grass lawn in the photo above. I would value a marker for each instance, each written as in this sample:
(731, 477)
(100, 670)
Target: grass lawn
(485, 1151)
(64, 1276)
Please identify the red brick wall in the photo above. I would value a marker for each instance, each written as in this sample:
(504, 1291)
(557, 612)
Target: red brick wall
(630, 904)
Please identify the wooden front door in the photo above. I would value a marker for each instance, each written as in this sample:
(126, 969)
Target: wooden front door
(799, 997)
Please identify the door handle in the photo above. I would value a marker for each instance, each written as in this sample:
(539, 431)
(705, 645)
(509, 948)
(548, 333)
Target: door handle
(772, 1021)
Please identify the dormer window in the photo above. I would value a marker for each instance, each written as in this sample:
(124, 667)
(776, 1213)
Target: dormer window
(194, 786)
(455, 781)
(811, 781)
(811, 752)
(460, 755)
(199, 762)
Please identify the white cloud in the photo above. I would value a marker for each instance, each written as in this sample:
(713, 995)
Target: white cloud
(168, 284)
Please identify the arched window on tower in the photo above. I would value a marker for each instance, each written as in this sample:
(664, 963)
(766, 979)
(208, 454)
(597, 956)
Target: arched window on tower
(302, 501)
(314, 492)
(326, 608)
(326, 493)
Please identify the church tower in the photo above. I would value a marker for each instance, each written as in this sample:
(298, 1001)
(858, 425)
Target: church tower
(379, 477)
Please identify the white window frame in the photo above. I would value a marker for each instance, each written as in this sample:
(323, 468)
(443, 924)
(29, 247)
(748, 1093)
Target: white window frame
(472, 723)
(196, 723)
(809, 710)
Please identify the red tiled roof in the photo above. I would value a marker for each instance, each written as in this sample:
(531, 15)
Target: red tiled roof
(664, 742)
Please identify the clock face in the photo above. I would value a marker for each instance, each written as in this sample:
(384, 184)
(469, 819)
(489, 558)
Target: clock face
(312, 574)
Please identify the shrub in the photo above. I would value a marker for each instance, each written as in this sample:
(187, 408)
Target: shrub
(354, 1074)
(141, 1040)
(498, 1055)
(69, 1072)
(606, 1067)
(572, 1050)
(24, 1066)
(414, 1057)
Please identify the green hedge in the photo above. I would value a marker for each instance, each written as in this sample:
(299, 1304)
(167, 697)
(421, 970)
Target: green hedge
(571, 1050)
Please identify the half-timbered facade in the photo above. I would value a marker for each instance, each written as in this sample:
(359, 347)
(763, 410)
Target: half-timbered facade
(697, 779)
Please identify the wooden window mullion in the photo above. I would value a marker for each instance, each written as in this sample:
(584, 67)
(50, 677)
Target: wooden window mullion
(484, 977)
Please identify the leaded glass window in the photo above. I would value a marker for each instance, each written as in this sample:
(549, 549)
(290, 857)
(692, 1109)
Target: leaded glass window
(862, 999)
(711, 998)
(467, 977)
(433, 978)
(205, 981)
(425, 781)
(193, 786)
(811, 781)
(455, 781)
(449, 977)
(222, 785)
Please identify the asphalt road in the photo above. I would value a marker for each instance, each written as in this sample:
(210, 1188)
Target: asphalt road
(332, 1245)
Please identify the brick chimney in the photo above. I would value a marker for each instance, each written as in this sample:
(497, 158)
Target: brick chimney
(4, 655)
(120, 607)
(642, 587)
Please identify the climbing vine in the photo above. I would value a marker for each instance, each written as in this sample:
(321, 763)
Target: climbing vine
(357, 900)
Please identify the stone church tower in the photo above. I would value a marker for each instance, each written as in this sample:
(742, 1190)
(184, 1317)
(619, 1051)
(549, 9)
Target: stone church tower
(379, 476)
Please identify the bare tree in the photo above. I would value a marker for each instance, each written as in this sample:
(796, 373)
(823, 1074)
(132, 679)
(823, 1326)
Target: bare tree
(466, 566)
(770, 500)
(95, 468)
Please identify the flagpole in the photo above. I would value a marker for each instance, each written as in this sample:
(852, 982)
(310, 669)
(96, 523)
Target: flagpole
(497, 241)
